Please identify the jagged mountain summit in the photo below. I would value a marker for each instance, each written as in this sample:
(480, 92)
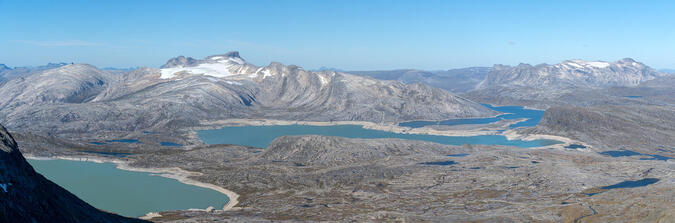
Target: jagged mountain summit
(279, 87)
(225, 65)
(186, 92)
(26, 196)
(571, 73)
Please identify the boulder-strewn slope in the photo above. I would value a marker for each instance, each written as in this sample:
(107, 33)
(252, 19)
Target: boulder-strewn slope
(27, 196)
(647, 129)
(321, 178)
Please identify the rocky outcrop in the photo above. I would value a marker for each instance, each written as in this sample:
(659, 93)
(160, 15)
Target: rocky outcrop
(646, 129)
(326, 151)
(179, 61)
(26, 196)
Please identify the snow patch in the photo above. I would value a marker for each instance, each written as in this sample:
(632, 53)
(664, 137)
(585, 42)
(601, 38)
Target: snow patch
(267, 74)
(210, 69)
(599, 64)
(574, 64)
(323, 80)
(233, 82)
(584, 64)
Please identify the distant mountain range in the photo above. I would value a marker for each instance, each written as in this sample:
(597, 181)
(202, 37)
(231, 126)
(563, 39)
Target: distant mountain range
(571, 73)
(455, 80)
(572, 82)
(7, 72)
(541, 85)
(188, 91)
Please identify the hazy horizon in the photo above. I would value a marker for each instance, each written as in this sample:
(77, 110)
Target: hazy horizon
(349, 35)
(322, 67)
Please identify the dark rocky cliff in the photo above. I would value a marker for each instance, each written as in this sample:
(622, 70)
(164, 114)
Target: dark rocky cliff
(26, 196)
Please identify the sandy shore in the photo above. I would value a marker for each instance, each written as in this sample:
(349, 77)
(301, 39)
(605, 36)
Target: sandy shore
(514, 135)
(176, 173)
(481, 129)
(207, 125)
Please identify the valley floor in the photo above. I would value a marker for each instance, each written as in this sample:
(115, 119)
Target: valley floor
(325, 178)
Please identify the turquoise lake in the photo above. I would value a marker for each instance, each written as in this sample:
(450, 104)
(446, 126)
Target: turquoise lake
(134, 194)
(511, 112)
(127, 193)
(261, 136)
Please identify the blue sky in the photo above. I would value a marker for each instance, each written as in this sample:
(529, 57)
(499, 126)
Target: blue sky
(352, 35)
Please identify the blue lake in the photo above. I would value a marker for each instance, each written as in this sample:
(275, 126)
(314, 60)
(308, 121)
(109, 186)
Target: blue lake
(513, 112)
(124, 140)
(440, 163)
(575, 146)
(621, 153)
(127, 193)
(115, 154)
(261, 136)
(170, 144)
(459, 155)
(628, 184)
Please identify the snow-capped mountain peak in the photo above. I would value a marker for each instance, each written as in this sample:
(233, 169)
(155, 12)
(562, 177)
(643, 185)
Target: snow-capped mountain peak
(584, 64)
(219, 66)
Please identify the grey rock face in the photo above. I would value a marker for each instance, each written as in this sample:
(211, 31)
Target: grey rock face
(179, 61)
(26, 196)
(182, 61)
(325, 151)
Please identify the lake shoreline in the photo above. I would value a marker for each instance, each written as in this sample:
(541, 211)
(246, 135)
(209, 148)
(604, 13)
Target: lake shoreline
(510, 134)
(175, 173)
(210, 125)
(514, 135)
